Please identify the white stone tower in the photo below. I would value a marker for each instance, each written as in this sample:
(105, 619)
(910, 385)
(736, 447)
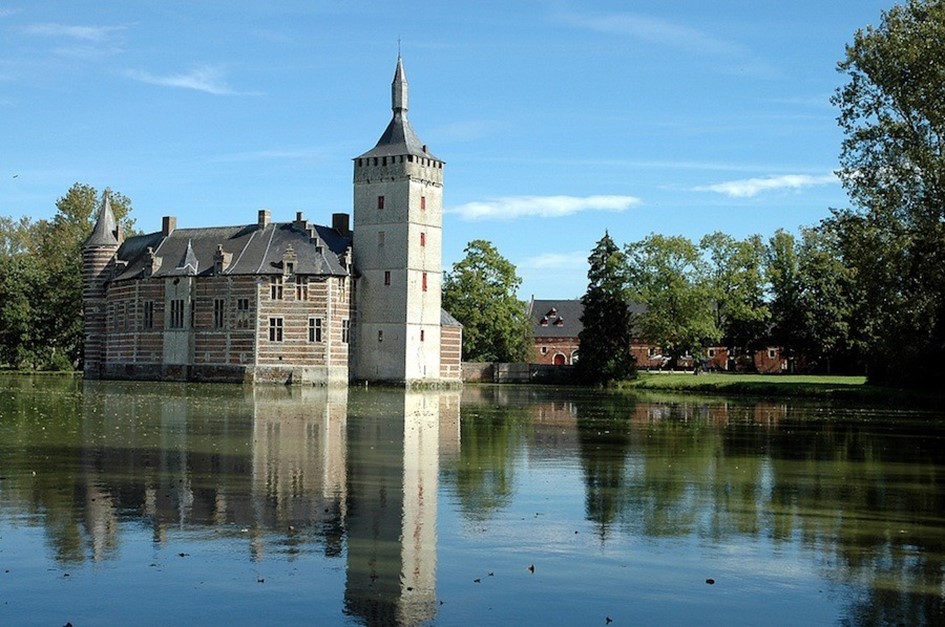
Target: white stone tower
(398, 218)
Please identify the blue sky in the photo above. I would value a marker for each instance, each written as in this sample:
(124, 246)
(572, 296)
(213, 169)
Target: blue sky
(557, 119)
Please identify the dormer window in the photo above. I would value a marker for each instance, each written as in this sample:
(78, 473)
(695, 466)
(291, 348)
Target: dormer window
(559, 322)
(544, 321)
(289, 259)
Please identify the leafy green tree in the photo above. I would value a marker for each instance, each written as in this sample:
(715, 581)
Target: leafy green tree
(669, 276)
(783, 274)
(736, 281)
(893, 165)
(826, 302)
(41, 280)
(605, 339)
(480, 292)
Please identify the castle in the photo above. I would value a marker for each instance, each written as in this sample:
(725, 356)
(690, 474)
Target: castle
(284, 302)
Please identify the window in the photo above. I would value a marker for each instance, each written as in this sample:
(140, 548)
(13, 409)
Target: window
(290, 267)
(711, 352)
(275, 288)
(218, 313)
(651, 351)
(301, 287)
(424, 281)
(275, 329)
(423, 203)
(120, 316)
(177, 314)
(544, 350)
(380, 336)
(772, 353)
(380, 238)
(386, 277)
(423, 239)
(380, 202)
(314, 329)
(242, 313)
(147, 316)
(345, 330)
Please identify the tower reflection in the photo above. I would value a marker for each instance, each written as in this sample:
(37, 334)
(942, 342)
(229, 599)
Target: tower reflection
(394, 442)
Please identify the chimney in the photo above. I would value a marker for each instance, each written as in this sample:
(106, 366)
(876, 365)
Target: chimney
(168, 224)
(264, 217)
(339, 222)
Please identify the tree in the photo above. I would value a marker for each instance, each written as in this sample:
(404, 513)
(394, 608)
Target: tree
(893, 165)
(783, 274)
(826, 302)
(41, 280)
(735, 279)
(479, 291)
(605, 339)
(668, 275)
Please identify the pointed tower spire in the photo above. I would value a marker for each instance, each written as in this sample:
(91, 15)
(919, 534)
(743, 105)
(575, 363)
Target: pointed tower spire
(399, 89)
(399, 137)
(105, 231)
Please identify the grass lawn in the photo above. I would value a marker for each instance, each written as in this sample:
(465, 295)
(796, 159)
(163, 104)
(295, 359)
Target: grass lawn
(760, 385)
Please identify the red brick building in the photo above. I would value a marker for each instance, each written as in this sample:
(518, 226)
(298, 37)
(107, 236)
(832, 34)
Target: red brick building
(556, 326)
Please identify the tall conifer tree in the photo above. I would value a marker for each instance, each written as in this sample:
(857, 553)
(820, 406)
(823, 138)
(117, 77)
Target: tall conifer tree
(605, 339)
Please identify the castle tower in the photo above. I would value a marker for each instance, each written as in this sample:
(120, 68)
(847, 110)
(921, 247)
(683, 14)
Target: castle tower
(98, 254)
(398, 217)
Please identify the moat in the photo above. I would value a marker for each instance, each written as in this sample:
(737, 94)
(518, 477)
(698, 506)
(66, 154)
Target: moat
(135, 503)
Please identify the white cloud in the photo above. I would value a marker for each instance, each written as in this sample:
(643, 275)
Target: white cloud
(746, 188)
(655, 31)
(556, 261)
(207, 78)
(300, 154)
(94, 34)
(512, 207)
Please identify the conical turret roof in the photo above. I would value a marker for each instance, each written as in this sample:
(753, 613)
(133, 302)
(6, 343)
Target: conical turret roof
(106, 227)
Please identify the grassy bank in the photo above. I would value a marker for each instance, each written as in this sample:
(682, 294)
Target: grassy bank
(816, 386)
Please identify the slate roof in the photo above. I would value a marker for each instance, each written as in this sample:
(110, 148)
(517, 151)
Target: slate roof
(446, 320)
(255, 250)
(398, 138)
(562, 318)
(105, 227)
(555, 318)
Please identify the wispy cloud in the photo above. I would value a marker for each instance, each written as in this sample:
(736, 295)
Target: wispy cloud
(556, 261)
(512, 207)
(659, 32)
(206, 78)
(298, 154)
(656, 31)
(8, 12)
(746, 188)
(83, 41)
(83, 33)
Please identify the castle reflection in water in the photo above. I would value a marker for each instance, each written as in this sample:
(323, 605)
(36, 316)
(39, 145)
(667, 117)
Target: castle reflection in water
(291, 470)
(352, 474)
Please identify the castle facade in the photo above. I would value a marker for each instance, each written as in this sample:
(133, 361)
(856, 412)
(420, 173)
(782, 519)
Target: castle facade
(292, 302)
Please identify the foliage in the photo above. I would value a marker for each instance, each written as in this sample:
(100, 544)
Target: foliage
(893, 117)
(668, 275)
(41, 280)
(734, 276)
(607, 324)
(480, 292)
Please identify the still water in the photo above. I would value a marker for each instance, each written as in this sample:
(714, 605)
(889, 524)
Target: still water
(126, 503)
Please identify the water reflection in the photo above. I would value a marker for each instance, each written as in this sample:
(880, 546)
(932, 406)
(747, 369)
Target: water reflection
(357, 478)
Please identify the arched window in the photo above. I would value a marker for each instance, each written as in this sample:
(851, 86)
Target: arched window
(560, 359)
